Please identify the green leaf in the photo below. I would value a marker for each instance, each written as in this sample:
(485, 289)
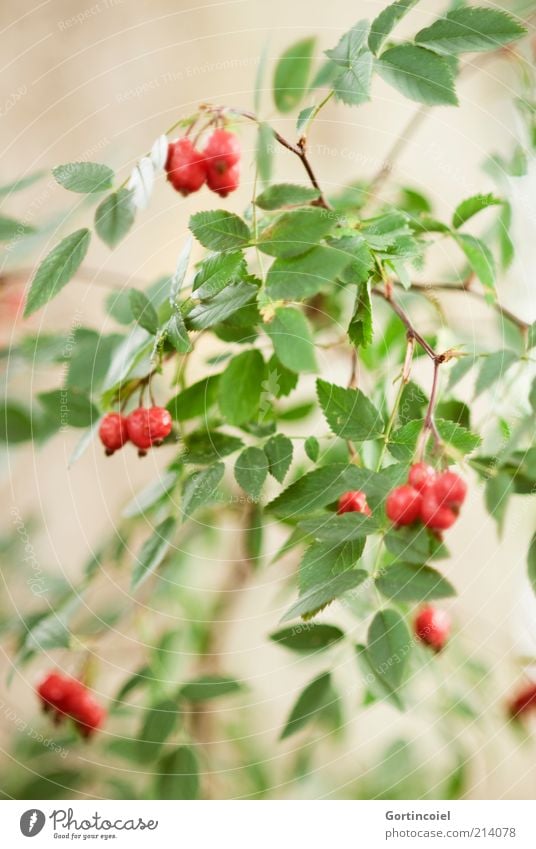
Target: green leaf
(15, 423)
(292, 74)
(22, 183)
(499, 488)
(209, 687)
(411, 582)
(10, 228)
(295, 232)
(200, 488)
(240, 387)
(178, 775)
(207, 446)
(220, 230)
(251, 469)
(152, 552)
(303, 276)
(348, 412)
(322, 561)
(312, 448)
(340, 529)
(460, 438)
(382, 26)
(310, 702)
(151, 495)
(479, 258)
(196, 400)
(51, 630)
(278, 451)
(494, 368)
(143, 311)
(84, 177)
(413, 544)
(221, 306)
(360, 330)
(57, 269)
(181, 269)
(318, 489)
(319, 596)
(468, 30)
(175, 331)
(388, 647)
(352, 84)
(68, 408)
(471, 206)
(303, 639)
(418, 74)
(157, 726)
(216, 272)
(285, 194)
(265, 152)
(531, 562)
(114, 217)
(292, 339)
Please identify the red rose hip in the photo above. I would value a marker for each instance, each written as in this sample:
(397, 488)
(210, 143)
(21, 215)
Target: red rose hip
(354, 501)
(403, 505)
(421, 475)
(432, 627)
(113, 432)
(185, 167)
(434, 515)
(524, 702)
(450, 489)
(222, 155)
(148, 426)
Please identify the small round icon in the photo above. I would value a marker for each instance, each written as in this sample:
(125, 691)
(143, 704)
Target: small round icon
(32, 822)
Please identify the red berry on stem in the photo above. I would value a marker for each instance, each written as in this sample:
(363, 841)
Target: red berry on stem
(113, 432)
(222, 154)
(185, 166)
(450, 489)
(353, 502)
(403, 505)
(148, 426)
(434, 515)
(421, 475)
(432, 626)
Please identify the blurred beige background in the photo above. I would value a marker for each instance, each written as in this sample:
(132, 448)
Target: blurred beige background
(101, 81)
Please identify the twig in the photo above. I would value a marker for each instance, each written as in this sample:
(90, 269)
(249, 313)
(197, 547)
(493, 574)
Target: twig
(462, 287)
(299, 149)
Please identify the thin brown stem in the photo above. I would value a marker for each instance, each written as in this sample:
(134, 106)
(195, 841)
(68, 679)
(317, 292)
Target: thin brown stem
(462, 287)
(406, 320)
(299, 149)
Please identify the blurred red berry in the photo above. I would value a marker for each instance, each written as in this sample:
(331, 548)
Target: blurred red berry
(113, 432)
(450, 489)
(421, 475)
(185, 166)
(67, 697)
(432, 626)
(524, 701)
(403, 505)
(353, 502)
(148, 426)
(434, 515)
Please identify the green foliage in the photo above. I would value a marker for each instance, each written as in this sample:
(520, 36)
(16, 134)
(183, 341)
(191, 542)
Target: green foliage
(84, 177)
(382, 26)
(292, 74)
(220, 230)
(410, 582)
(278, 451)
(57, 269)
(418, 74)
(348, 412)
(209, 687)
(251, 469)
(354, 62)
(153, 551)
(319, 596)
(313, 637)
(114, 217)
(178, 775)
(310, 702)
(468, 30)
(240, 387)
(292, 339)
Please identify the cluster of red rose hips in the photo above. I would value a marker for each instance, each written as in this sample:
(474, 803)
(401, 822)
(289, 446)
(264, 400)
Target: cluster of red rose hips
(216, 165)
(430, 497)
(67, 697)
(144, 427)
